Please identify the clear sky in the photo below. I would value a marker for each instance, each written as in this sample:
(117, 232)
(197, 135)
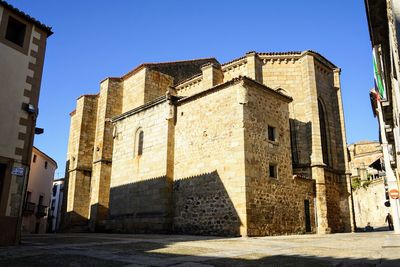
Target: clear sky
(93, 40)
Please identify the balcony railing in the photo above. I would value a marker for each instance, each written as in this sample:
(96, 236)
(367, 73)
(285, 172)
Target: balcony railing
(29, 208)
(41, 211)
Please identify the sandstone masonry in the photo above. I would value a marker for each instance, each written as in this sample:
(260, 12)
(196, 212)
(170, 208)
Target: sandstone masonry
(252, 147)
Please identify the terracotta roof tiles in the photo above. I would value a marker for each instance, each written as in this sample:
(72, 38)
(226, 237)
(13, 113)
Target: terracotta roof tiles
(34, 21)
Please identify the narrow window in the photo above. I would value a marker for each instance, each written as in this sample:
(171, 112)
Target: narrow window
(324, 135)
(41, 200)
(15, 31)
(271, 133)
(139, 140)
(55, 190)
(45, 164)
(273, 173)
(34, 158)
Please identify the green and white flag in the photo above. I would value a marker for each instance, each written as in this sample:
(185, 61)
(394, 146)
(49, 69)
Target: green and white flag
(379, 82)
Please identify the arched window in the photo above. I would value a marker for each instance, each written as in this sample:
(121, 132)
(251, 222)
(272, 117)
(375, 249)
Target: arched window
(139, 142)
(324, 133)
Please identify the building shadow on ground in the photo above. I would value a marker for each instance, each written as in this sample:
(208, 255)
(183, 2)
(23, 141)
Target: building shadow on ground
(163, 250)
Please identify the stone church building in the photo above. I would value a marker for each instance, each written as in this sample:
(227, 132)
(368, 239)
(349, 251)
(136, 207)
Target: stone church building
(252, 147)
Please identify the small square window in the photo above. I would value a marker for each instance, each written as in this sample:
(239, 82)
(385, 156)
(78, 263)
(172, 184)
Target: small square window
(15, 31)
(273, 171)
(271, 133)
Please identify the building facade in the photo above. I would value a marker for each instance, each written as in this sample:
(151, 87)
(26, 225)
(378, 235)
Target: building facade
(253, 147)
(38, 193)
(369, 184)
(56, 205)
(22, 48)
(384, 27)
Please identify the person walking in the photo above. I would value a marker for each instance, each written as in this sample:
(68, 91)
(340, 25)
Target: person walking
(389, 220)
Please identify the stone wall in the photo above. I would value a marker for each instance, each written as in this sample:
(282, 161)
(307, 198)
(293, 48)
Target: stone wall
(140, 192)
(157, 85)
(209, 164)
(109, 105)
(203, 206)
(328, 97)
(79, 161)
(334, 197)
(191, 87)
(134, 88)
(274, 205)
(211, 135)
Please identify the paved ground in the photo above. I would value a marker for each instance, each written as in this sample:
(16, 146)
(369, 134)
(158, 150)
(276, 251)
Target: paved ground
(359, 249)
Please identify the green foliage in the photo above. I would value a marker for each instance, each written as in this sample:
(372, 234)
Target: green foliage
(357, 183)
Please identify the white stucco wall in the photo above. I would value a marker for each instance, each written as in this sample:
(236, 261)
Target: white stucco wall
(13, 73)
(369, 205)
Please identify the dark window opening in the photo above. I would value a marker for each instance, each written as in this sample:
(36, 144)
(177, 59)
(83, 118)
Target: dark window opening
(271, 133)
(45, 164)
(273, 171)
(16, 31)
(55, 190)
(34, 158)
(307, 215)
(140, 143)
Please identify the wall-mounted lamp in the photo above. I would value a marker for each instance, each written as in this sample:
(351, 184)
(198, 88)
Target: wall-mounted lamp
(39, 130)
(29, 108)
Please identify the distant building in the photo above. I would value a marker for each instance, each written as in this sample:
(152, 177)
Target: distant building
(384, 28)
(22, 49)
(252, 147)
(39, 192)
(369, 184)
(56, 205)
(366, 160)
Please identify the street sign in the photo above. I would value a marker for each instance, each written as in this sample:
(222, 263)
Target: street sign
(18, 171)
(394, 193)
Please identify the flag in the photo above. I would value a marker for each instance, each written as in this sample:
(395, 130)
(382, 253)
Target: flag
(379, 84)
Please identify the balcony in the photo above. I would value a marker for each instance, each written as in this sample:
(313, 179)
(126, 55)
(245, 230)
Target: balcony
(41, 211)
(29, 208)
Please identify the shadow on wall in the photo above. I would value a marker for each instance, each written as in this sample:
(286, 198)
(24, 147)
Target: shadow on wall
(301, 143)
(73, 222)
(197, 205)
(202, 206)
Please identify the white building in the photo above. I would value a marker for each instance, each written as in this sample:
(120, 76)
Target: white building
(38, 193)
(56, 204)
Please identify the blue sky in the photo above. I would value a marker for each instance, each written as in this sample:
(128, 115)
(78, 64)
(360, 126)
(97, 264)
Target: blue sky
(97, 39)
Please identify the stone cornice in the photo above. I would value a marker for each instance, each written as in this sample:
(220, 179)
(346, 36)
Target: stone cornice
(236, 80)
(189, 82)
(131, 112)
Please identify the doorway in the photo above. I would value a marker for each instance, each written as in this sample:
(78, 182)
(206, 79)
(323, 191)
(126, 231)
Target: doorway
(307, 215)
(3, 168)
